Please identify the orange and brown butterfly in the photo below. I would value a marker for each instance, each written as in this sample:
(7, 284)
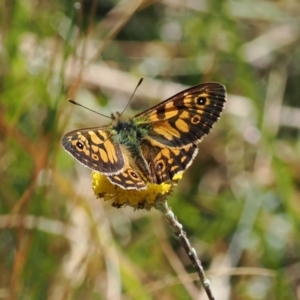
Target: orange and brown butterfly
(153, 146)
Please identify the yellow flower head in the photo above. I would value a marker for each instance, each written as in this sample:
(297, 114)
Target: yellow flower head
(140, 199)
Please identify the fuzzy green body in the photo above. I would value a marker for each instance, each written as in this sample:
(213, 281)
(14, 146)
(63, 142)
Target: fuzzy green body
(130, 133)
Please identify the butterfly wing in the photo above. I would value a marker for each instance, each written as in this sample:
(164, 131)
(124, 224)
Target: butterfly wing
(186, 117)
(128, 179)
(94, 148)
(165, 163)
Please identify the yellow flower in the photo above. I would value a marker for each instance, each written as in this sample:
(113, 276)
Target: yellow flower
(140, 199)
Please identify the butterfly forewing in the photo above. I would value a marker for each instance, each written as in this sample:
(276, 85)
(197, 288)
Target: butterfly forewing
(186, 117)
(94, 148)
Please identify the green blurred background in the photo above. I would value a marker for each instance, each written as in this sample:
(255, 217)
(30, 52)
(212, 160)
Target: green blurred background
(239, 202)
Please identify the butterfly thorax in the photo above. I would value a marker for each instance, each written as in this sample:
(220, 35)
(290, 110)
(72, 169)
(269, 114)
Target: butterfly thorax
(129, 132)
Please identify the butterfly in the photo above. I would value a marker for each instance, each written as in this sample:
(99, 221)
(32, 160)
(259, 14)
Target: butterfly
(154, 145)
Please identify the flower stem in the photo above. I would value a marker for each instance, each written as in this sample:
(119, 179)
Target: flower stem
(177, 228)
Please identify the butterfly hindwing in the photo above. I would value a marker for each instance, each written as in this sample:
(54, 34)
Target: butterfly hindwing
(164, 165)
(166, 162)
(94, 148)
(128, 179)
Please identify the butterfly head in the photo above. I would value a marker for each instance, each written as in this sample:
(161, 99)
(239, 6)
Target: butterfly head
(116, 116)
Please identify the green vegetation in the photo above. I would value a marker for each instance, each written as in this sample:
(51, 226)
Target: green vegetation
(240, 200)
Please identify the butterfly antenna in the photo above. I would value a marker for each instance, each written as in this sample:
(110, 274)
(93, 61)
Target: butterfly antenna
(73, 102)
(139, 83)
